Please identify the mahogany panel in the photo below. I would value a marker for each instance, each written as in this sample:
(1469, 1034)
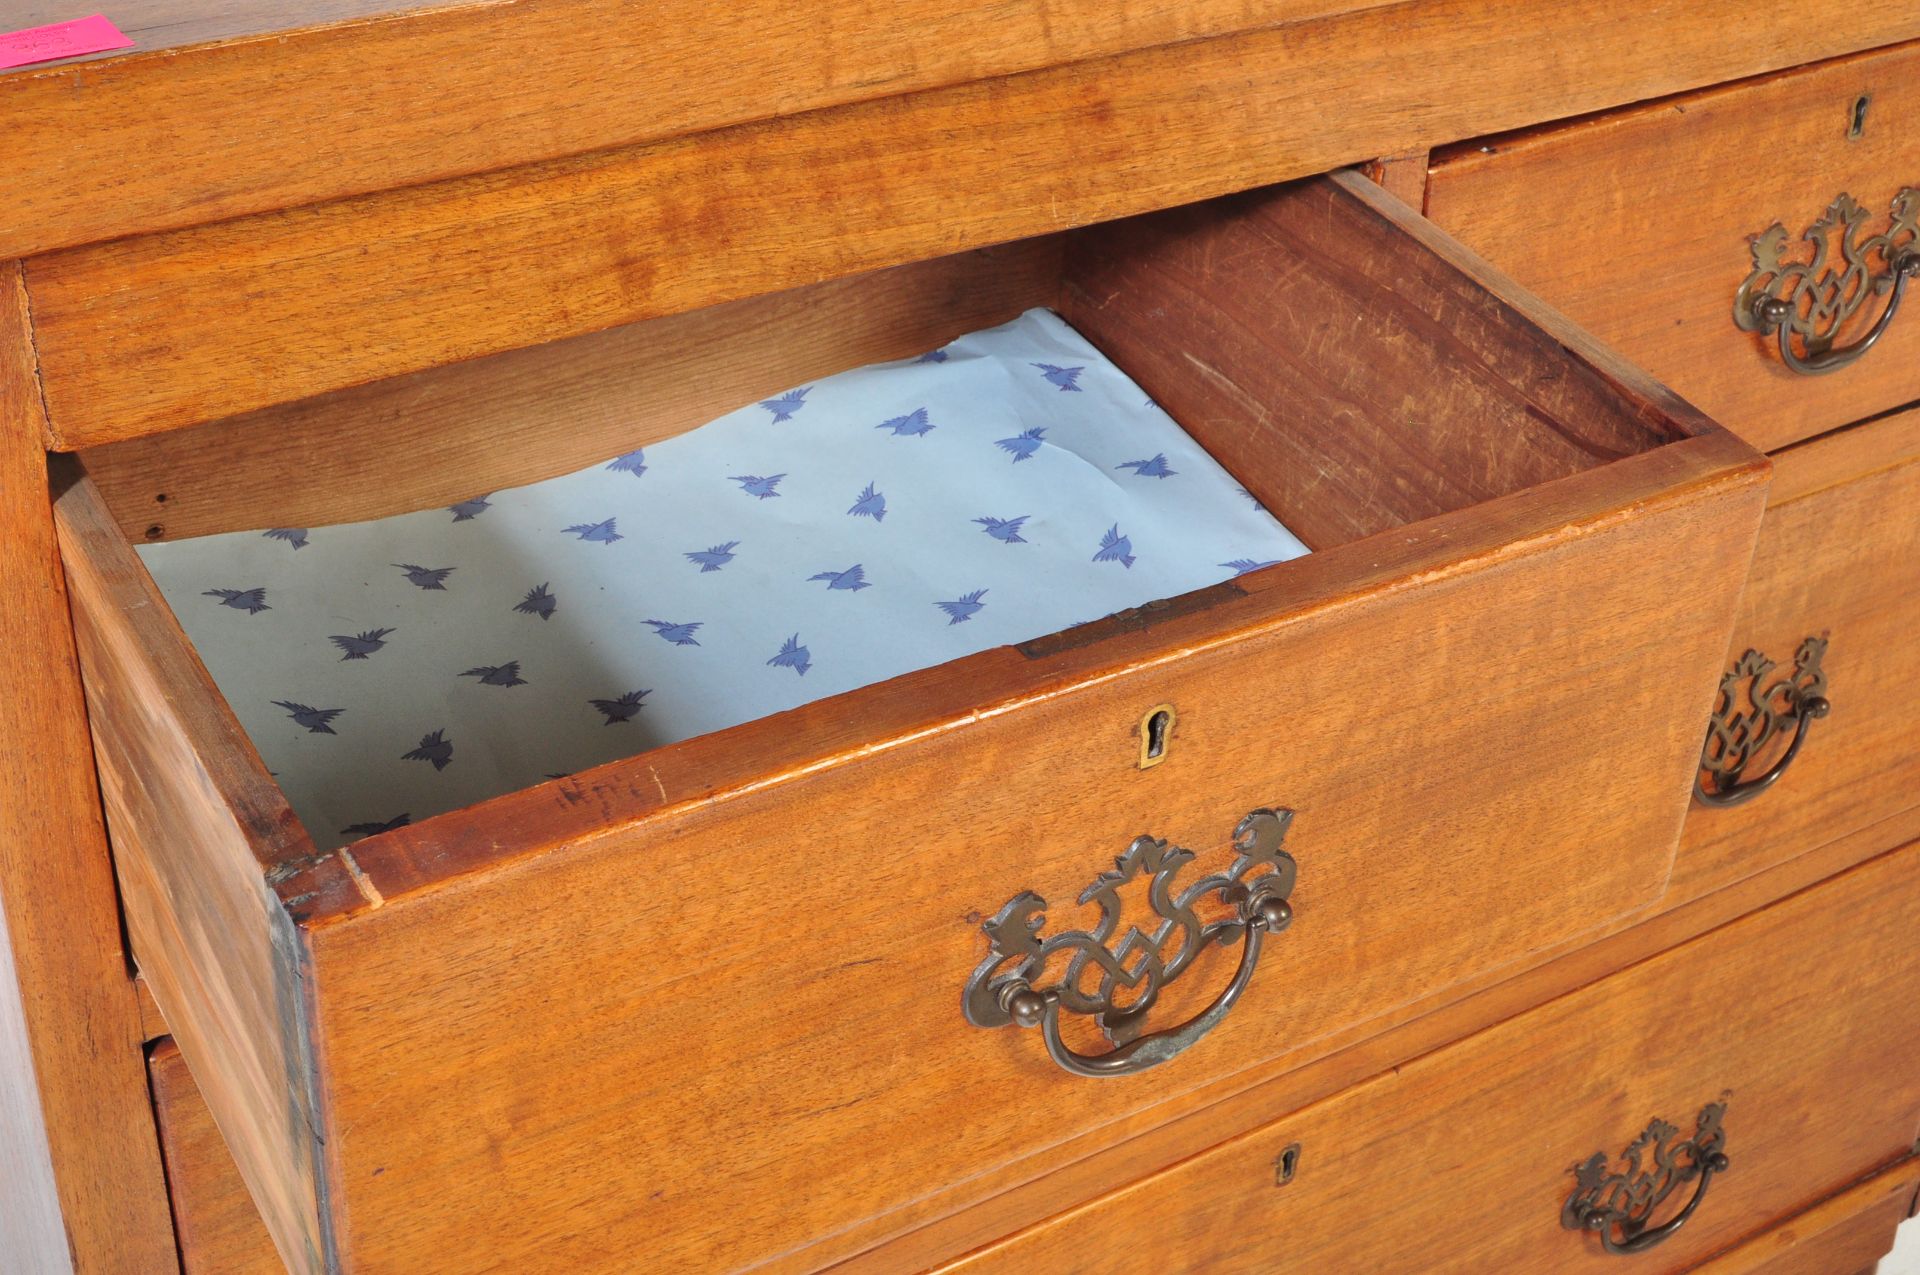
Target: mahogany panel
(1815, 1070)
(82, 1172)
(1850, 1230)
(155, 332)
(1638, 224)
(266, 113)
(1836, 560)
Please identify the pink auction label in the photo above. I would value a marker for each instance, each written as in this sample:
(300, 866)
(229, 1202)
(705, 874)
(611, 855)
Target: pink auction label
(60, 40)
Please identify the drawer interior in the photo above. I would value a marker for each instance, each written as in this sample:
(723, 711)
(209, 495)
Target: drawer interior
(1349, 382)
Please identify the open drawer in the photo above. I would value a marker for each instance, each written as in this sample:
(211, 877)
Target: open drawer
(726, 977)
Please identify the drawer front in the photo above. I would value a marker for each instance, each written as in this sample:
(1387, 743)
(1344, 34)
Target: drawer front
(1795, 1028)
(1847, 1232)
(1643, 225)
(737, 968)
(218, 1228)
(1832, 609)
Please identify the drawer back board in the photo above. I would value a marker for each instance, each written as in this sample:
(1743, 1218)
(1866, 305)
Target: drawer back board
(729, 970)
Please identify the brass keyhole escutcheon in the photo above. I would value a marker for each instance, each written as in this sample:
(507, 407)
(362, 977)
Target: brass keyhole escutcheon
(1156, 735)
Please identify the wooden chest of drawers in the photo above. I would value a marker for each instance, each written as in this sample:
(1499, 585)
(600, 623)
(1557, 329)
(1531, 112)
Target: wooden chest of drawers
(1482, 908)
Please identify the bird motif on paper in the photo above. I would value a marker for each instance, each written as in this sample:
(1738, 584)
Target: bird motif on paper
(1251, 499)
(913, 425)
(1067, 378)
(634, 463)
(507, 674)
(358, 830)
(678, 634)
(962, 608)
(539, 601)
(872, 504)
(794, 656)
(853, 578)
(252, 601)
(786, 405)
(314, 719)
(932, 356)
(468, 510)
(425, 577)
(295, 536)
(1023, 445)
(754, 486)
(1154, 466)
(1115, 547)
(715, 558)
(1005, 530)
(359, 646)
(622, 709)
(436, 748)
(1240, 566)
(593, 532)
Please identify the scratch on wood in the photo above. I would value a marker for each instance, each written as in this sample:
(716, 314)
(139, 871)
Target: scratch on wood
(368, 891)
(658, 783)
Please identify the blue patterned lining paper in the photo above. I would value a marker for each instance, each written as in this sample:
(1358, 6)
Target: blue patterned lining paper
(882, 520)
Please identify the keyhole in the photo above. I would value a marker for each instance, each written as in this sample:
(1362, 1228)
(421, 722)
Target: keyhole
(1156, 732)
(1858, 124)
(1286, 1164)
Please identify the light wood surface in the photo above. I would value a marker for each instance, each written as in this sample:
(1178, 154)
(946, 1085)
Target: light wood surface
(197, 832)
(1836, 558)
(1637, 224)
(1850, 1230)
(156, 332)
(293, 116)
(429, 439)
(1815, 1069)
(478, 945)
(1083, 1170)
(219, 1229)
(69, 1023)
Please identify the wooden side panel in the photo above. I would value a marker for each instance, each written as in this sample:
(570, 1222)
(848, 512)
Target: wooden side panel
(1805, 1025)
(84, 1159)
(190, 804)
(504, 1035)
(219, 1229)
(152, 333)
(1638, 224)
(1357, 380)
(414, 442)
(1839, 557)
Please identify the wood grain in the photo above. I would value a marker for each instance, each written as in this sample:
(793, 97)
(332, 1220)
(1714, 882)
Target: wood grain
(1850, 1230)
(197, 825)
(1814, 1068)
(1402, 176)
(262, 120)
(1836, 558)
(219, 1230)
(477, 946)
(1083, 1169)
(1656, 208)
(70, 1030)
(165, 330)
(434, 437)
(1287, 331)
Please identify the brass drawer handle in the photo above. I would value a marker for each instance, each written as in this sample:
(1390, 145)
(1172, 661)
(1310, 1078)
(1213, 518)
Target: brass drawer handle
(1748, 715)
(1009, 988)
(1806, 303)
(1617, 1205)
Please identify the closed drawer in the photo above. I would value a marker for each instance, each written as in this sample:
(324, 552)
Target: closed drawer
(733, 968)
(218, 1229)
(1644, 224)
(1830, 611)
(1792, 1030)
